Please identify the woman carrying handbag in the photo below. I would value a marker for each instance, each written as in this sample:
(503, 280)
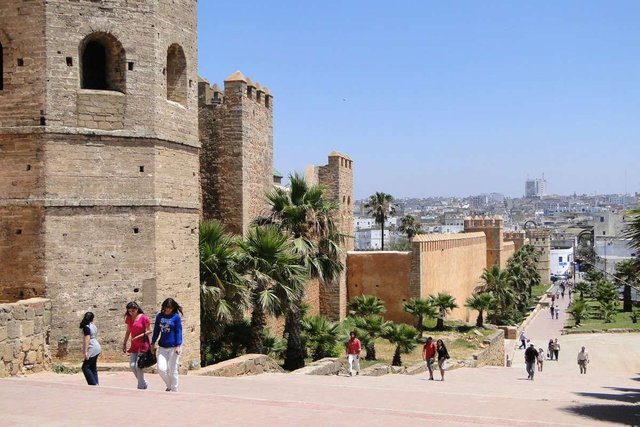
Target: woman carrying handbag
(138, 329)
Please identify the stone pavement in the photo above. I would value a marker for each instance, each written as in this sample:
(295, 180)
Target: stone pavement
(559, 396)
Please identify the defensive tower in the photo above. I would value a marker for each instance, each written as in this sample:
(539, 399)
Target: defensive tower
(99, 182)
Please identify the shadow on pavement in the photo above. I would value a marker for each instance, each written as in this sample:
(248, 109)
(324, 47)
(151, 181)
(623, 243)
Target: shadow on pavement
(628, 395)
(621, 414)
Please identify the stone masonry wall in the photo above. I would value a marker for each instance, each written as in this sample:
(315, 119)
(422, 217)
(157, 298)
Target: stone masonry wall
(24, 336)
(383, 274)
(236, 133)
(493, 353)
(451, 263)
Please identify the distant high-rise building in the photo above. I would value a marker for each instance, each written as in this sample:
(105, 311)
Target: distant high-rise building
(535, 187)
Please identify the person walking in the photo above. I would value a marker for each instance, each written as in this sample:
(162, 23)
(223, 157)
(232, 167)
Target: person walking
(550, 349)
(138, 329)
(556, 348)
(90, 349)
(557, 311)
(428, 355)
(353, 350)
(530, 357)
(540, 359)
(583, 360)
(523, 340)
(168, 327)
(443, 355)
(552, 307)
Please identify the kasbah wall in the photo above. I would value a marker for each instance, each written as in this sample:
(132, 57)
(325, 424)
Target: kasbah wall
(451, 263)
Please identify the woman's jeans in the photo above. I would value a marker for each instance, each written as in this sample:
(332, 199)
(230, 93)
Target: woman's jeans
(139, 373)
(90, 370)
(168, 361)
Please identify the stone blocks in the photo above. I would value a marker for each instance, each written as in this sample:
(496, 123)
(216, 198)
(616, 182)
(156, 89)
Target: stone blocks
(326, 366)
(23, 347)
(249, 364)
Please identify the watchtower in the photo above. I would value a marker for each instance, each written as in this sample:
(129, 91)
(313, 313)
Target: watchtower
(99, 183)
(492, 228)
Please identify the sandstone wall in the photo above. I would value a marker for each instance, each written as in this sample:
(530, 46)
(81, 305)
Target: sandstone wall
(492, 228)
(384, 275)
(236, 133)
(451, 263)
(24, 336)
(541, 240)
(508, 249)
(493, 353)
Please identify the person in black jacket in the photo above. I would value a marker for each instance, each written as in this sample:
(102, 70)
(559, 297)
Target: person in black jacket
(443, 355)
(530, 357)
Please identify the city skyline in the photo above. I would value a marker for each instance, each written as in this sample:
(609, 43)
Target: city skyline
(443, 99)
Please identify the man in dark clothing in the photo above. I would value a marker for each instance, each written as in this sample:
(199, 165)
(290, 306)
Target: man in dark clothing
(530, 357)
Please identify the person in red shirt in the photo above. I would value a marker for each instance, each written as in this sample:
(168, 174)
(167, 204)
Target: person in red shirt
(138, 329)
(353, 353)
(429, 355)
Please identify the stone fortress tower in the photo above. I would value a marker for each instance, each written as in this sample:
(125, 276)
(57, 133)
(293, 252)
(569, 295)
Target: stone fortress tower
(236, 160)
(337, 176)
(493, 230)
(99, 170)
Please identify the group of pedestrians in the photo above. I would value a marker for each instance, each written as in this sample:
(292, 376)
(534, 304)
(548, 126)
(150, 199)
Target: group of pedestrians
(432, 352)
(167, 333)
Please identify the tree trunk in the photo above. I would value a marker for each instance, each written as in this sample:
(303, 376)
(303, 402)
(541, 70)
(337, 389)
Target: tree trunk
(440, 324)
(258, 323)
(479, 322)
(396, 358)
(420, 325)
(382, 235)
(626, 299)
(294, 356)
(371, 352)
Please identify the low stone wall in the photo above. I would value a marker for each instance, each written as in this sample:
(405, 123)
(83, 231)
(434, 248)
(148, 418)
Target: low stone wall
(326, 366)
(249, 364)
(492, 355)
(380, 369)
(24, 336)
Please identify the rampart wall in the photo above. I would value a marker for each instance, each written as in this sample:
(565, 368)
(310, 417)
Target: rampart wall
(24, 336)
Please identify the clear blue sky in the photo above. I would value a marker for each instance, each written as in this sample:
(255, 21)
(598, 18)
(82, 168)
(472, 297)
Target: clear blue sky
(443, 98)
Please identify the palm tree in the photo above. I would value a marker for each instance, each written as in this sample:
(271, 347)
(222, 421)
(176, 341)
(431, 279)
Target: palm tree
(632, 230)
(303, 213)
(444, 302)
(380, 205)
(627, 273)
(578, 310)
(420, 308)
(498, 282)
(223, 291)
(404, 337)
(321, 336)
(275, 274)
(371, 327)
(482, 302)
(365, 305)
(409, 225)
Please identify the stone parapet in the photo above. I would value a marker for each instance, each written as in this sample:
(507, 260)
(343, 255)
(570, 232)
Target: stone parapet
(326, 366)
(493, 354)
(249, 364)
(24, 336)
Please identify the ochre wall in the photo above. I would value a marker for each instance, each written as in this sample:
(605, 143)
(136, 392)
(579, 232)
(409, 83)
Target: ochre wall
(508, 249)
(451, 263)
(384, 275)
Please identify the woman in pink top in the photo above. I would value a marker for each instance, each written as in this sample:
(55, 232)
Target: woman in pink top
(138, 328)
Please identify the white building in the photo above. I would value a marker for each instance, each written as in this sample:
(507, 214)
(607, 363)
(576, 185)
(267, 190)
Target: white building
(560, 260)
(535, 188)
(371, 239)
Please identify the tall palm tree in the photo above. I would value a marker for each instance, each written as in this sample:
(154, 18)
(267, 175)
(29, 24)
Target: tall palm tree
(444, 302)
(380, 205)
(404, 337)
(371, 327)
(303, 213)
(481, 302)
(223, 291)
(632, 230)
(409, 225)
(627, 273)
(420, 308)
(365, 305)
(275, 275)
(498, 282)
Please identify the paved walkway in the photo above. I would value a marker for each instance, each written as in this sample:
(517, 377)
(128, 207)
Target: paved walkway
(559, 396)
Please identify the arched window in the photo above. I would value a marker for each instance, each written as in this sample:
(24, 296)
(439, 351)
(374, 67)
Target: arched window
(1, 67)
(176, 74)
(103, 63)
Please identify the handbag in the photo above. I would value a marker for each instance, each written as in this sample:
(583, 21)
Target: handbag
(146, 359)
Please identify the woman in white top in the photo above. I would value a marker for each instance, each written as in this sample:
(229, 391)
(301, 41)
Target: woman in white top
(90, 349)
